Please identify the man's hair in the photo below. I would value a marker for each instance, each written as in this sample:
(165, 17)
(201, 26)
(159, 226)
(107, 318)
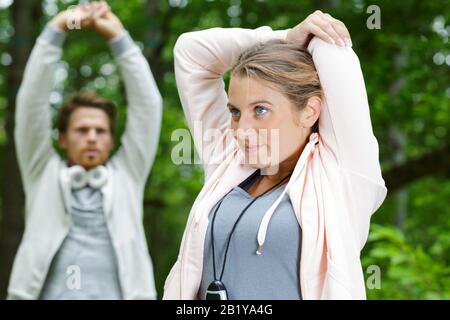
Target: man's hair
(86, 99)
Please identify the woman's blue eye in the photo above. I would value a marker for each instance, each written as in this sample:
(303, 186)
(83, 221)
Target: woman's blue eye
(260, 111)
(235, 112)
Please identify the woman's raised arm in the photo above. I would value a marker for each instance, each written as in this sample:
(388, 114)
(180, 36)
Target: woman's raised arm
(201, 60)
(345, 126)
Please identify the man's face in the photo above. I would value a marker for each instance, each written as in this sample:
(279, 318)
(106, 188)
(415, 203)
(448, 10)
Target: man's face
(88, 139)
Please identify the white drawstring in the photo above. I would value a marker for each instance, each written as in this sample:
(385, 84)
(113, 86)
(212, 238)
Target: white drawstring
(298, 171)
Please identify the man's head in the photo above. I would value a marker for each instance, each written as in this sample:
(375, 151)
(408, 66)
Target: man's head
(86, 124)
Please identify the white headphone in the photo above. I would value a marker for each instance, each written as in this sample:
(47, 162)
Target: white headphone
(80, 177)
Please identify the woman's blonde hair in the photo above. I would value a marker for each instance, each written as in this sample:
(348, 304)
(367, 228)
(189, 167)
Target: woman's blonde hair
(288, 66)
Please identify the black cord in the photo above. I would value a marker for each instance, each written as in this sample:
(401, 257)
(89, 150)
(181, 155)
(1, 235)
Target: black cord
(234, 226)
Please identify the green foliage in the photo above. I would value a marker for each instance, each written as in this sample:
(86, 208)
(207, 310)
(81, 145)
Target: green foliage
(408, 88)
(408, 271)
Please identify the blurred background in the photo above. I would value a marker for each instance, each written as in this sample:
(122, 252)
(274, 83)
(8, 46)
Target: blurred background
(406, 65)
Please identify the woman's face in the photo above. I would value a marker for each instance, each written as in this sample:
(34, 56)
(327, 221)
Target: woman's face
(268, 127)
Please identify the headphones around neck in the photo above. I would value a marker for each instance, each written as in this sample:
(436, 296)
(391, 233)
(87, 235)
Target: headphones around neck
(80, 177)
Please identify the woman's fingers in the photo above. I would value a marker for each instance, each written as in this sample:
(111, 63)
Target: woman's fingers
(340, 28)
(317, 31)
(328, 28)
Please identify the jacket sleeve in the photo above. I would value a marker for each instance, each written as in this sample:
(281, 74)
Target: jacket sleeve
(33, 126)
(201, 60)
(139, 142)
(346, 131)
(345, 126)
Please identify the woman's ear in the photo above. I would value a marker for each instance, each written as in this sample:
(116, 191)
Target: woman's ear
(311, 112)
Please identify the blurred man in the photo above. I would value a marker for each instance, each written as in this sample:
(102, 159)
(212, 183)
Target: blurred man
(84, 237)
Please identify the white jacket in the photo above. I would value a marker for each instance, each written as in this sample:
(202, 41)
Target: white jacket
(47, 220)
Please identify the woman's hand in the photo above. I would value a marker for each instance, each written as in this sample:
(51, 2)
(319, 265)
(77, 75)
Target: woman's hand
(323, 26)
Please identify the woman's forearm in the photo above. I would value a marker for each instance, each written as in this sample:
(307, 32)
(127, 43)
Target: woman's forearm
(216, 49)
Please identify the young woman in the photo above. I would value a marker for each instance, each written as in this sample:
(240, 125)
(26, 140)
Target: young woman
(286, 205)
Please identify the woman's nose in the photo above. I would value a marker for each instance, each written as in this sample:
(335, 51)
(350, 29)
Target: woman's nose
(246, 124)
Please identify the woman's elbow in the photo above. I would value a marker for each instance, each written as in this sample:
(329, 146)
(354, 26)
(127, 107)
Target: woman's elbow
(183, 43)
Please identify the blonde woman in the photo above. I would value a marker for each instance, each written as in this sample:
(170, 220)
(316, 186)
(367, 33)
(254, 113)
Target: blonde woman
(287, 200)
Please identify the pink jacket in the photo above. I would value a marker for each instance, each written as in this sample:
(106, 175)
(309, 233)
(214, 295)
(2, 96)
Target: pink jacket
(336, 185)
